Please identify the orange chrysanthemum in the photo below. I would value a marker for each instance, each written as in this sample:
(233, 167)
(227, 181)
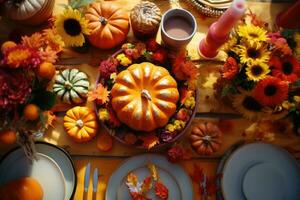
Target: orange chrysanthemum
(287, 69)
(21, 56)
(230, 68)
(271, 91)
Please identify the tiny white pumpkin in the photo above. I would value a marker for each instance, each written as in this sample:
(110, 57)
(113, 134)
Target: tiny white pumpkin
(32, 12)
(71, 86)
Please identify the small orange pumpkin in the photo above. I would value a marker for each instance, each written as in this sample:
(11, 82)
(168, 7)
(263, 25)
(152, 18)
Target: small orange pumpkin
(81, 124)
(109, 24)
(206, 138)
(144, 96)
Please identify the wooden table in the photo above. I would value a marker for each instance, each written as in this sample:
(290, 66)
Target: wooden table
(107, 162)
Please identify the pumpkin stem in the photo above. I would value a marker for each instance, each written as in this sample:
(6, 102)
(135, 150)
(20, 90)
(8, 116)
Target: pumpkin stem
(103, 20)
(68, 85)
(207, 138)
(79, 123)
(146, 94)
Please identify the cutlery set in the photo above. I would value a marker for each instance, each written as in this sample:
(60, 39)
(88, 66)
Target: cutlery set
(87, 179)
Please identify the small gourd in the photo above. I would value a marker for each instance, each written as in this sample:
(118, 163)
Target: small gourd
(31, 12)
(145, 18)
(71, 86)
(206, 138)
(81, 124)
(144, 96)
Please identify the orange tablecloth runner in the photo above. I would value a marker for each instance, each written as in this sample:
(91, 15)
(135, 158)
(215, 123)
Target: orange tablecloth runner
(107, 166)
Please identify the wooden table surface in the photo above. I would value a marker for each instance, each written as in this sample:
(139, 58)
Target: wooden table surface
(208, 105)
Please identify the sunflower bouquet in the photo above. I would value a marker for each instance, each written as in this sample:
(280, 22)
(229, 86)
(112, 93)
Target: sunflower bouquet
(261, 76)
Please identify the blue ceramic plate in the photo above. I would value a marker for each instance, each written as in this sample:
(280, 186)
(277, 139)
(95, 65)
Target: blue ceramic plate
(172, 175)
(260, 171)
(54, 170)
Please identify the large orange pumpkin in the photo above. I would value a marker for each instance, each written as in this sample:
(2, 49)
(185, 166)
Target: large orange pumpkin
(109, 24)
(144, 96)
(81, 124)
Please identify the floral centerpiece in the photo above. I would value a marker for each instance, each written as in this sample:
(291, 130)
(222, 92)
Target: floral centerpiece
(180, 67)
(26, 69)
(261, 76)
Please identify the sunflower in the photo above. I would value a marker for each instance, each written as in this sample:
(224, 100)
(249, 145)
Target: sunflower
(257, 72)
(248, 106)
(287, 69)
(230, 44)
(271, 91)
(254, 53)
(252, 34)
(71, 26)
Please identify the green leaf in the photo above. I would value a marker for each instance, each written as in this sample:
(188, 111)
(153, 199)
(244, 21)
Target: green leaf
(76, 4)
(228, 89)
(44, 99)
(297, 83)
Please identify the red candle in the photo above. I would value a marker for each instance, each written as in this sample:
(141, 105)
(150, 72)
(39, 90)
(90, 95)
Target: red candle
(291, 17)
(219, 31)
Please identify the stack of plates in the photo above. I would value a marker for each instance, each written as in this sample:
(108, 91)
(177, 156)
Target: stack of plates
(260, 171)
(53, 169)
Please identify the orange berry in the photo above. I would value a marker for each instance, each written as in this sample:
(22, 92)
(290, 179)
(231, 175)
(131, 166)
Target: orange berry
(7, 44)
(8, 137)
(104, 142)
(31, 112)
(46, 70)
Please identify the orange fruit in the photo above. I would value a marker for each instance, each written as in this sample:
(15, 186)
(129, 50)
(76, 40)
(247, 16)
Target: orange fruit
(8, 137)
(7, 44)
(104, 142)
(46, 70)
(31, 112)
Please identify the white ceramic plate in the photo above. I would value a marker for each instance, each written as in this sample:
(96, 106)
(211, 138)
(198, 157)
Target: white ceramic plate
(55, 155)
(260, 171)
(172, 175)
(44, 170)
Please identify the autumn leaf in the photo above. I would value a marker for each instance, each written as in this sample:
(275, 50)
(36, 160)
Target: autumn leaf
(100, 94)
(50, 118)
(153, 170)
(147, 185)
(161, 190)
(149, 141)
(132, 179)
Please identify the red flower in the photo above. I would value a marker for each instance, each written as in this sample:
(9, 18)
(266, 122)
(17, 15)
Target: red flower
(15, 88)
(160, 55)
(183, 115)
(108, 67)
(230, 68)
(271, 91)
(287, 69)
(152, 45)
(161, 190)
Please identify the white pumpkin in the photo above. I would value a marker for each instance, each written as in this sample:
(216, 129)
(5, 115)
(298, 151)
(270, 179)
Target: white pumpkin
(71, 86)
(32, 12)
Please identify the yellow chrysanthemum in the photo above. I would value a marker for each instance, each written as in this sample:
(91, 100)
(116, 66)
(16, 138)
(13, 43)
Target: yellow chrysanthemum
(190, 102)
(170, 128)
(71, 26)
(253, 54)
(257, 72)
(245, 104)
(123, 59)
(103, 114)
(252, 34)
(297, 40)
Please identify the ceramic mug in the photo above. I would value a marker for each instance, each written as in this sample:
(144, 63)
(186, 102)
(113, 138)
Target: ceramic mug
(178, 26)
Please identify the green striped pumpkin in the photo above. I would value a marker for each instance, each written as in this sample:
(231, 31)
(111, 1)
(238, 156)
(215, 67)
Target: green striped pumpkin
(71, 86)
